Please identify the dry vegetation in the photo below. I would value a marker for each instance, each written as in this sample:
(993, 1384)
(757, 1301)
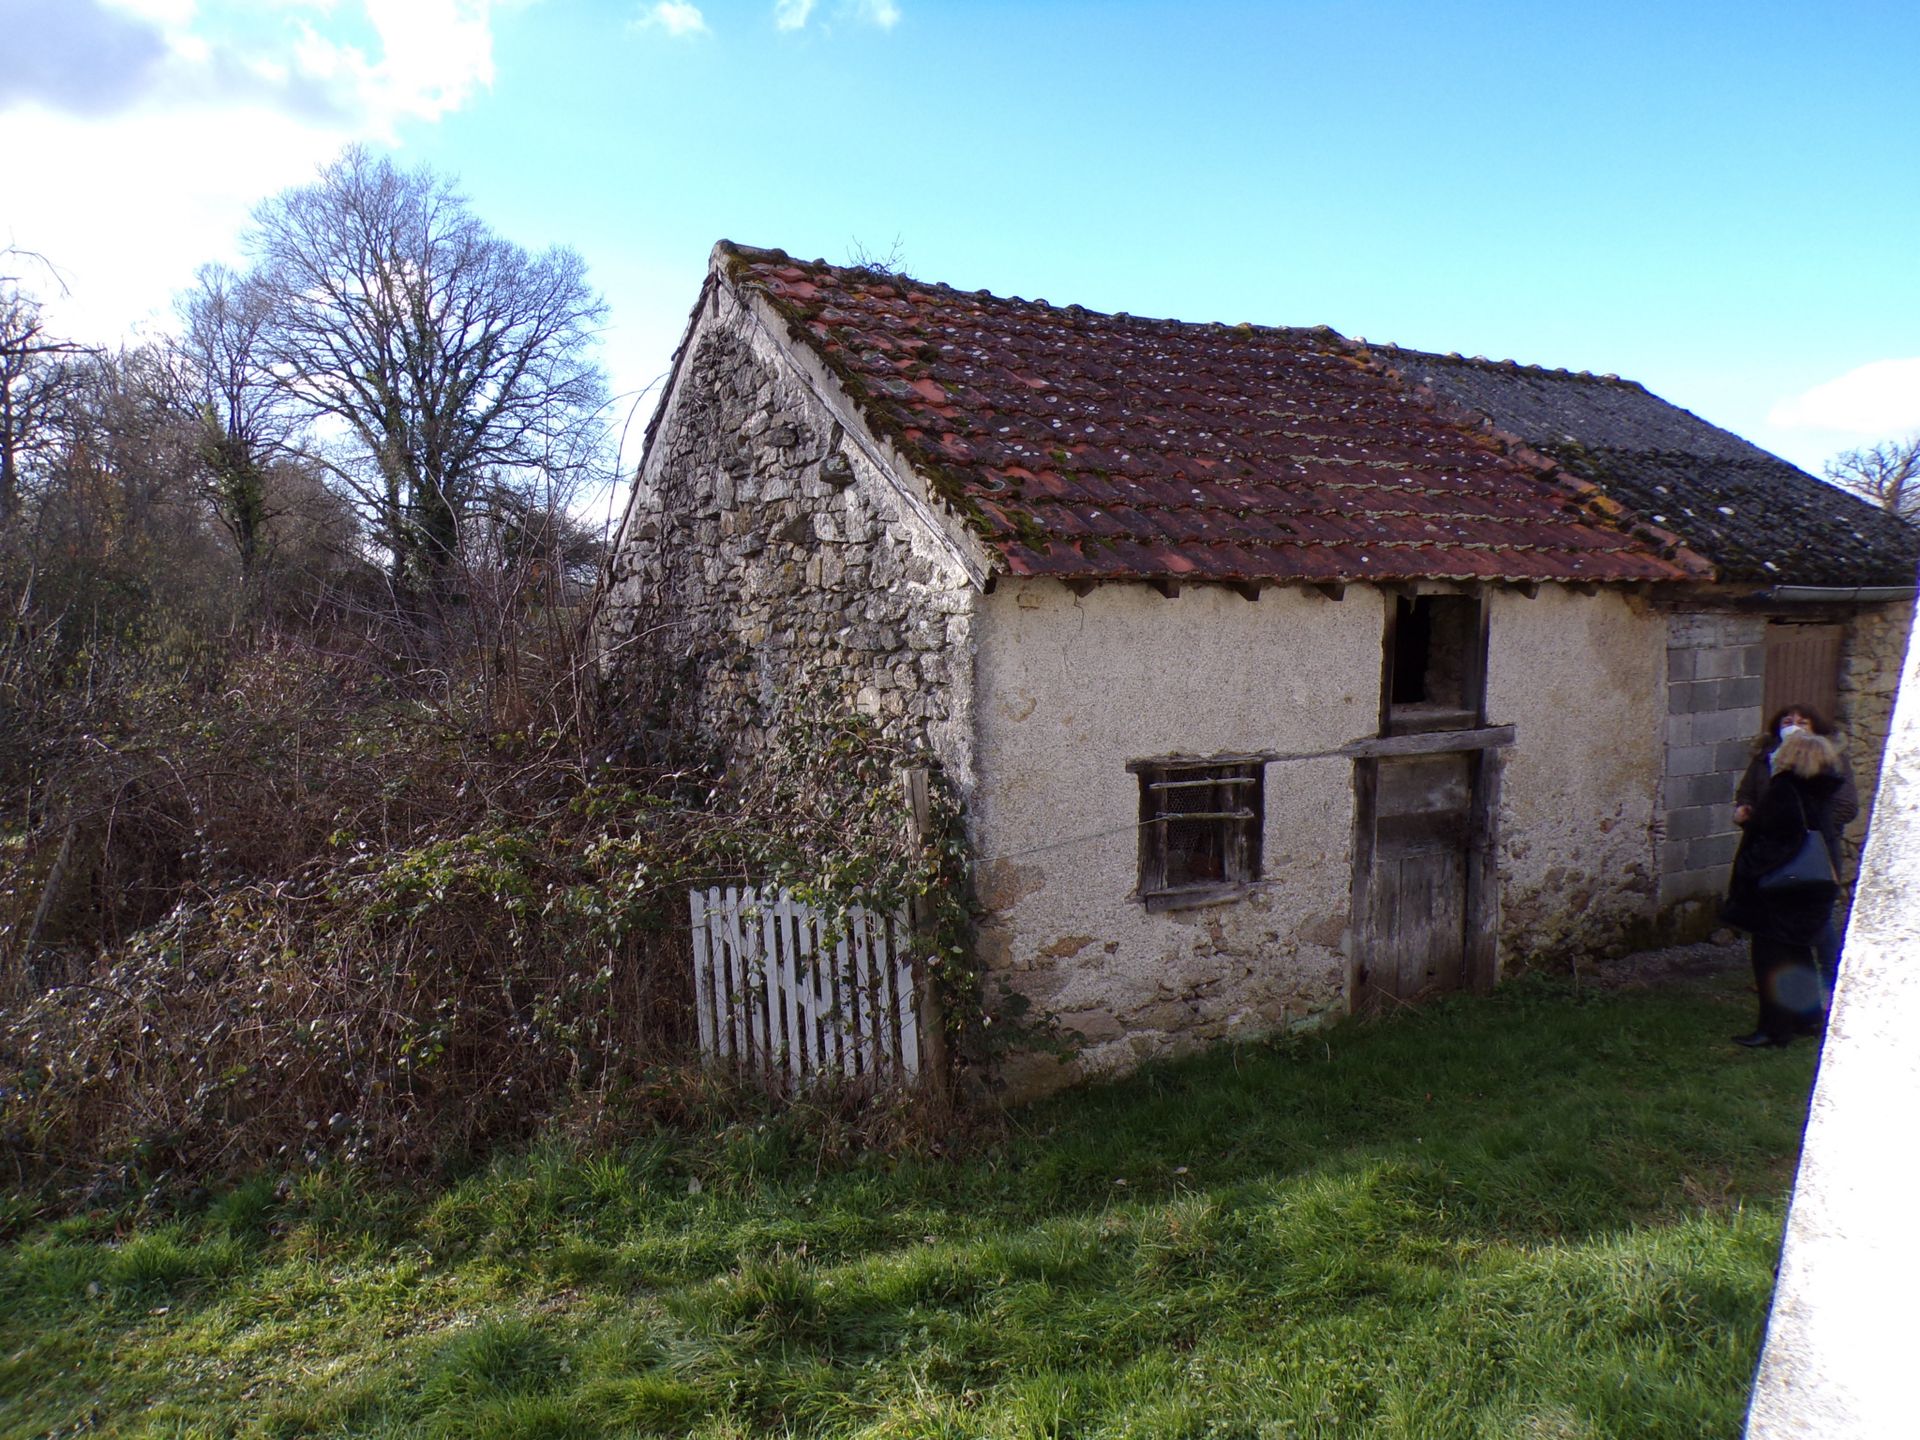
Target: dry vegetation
(312, 843)
(325, 881)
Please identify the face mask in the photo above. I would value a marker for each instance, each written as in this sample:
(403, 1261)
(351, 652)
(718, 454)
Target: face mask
(1786, 730)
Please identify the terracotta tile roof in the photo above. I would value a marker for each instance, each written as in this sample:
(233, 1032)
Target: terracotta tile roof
(1089, 446)
(1756, 517)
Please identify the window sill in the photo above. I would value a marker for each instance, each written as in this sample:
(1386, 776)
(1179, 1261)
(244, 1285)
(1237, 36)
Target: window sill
(1194, 898)
(1422, 719)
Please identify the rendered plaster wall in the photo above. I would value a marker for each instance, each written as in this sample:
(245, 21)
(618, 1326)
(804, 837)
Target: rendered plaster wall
(1582, 680)
(764, 550)
(1716, 679)
(1068, 690)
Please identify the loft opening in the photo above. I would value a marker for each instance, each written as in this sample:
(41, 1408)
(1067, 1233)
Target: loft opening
(1436, 663)
(1200, 825)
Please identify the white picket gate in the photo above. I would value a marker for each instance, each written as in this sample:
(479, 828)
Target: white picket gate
(780, 988)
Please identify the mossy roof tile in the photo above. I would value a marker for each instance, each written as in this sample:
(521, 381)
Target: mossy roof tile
(1756, 517)
(1091, 446)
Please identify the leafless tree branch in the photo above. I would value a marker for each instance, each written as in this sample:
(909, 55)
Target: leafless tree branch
(1887, 474)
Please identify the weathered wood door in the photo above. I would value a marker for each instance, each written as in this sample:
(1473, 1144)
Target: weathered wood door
(1803, 668)
(1414, 929)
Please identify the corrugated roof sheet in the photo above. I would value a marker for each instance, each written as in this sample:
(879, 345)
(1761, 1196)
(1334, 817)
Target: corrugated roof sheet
(1090, 446)
(1755, 516)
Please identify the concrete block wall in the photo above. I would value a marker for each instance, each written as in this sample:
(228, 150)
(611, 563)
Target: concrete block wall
(1716, 666)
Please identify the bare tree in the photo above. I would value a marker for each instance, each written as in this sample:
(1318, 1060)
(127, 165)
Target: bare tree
(1887, 474)
(31, 377)
(245, 421)
(440, 354)
(893, 262)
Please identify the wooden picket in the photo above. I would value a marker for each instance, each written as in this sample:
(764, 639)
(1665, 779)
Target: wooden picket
(790, 993)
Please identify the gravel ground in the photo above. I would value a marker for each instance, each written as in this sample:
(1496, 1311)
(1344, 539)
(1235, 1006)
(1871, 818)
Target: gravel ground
(1700, 961)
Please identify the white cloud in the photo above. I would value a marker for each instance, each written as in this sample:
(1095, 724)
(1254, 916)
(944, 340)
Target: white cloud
(434, 53)
(362, 65)
(258, 92)
(1869, 402)
(794, 14)
(676, 17)
(126, 223)
(173, 12)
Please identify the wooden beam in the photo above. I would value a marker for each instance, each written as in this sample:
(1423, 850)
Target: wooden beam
(936, 1067)
(1388, 643)
(1258, 757)
(1427, 742)
(1332, 589)
(1366, 791)
(1476, 676)
(1433, 742)
(1528, 588)
(919, 801)
(1081, 587)
(1245, 589)
(1483, 874)
(1168, 588)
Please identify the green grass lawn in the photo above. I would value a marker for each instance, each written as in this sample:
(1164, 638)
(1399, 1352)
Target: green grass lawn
(1546, 1214)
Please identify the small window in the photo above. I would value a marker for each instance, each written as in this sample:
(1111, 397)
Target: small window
(1434, 666)
(1199, 829)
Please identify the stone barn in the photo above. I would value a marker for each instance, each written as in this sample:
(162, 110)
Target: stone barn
(1278, 674)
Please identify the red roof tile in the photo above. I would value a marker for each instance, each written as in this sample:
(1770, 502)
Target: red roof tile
(1089, 446)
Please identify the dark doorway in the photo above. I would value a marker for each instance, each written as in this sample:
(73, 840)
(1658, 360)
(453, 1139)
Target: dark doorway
(1425, 891)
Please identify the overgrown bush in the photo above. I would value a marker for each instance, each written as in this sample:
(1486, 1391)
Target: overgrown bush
(307, 856)
(297, 904)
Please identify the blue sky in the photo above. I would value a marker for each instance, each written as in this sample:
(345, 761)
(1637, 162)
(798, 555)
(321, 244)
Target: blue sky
(1719, 200)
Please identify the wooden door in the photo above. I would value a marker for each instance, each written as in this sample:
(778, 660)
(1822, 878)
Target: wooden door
(1415, 930)
(1803, 668)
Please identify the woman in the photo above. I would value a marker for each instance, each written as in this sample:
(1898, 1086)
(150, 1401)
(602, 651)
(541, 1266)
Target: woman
(1802, 784)
(1846, 805)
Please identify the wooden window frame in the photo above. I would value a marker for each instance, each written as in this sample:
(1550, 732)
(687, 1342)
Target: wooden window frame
(1240, 828)
(1416, 718)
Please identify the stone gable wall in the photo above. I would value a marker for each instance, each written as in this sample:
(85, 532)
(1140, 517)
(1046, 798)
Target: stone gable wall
(1871, 656)
(764, 550)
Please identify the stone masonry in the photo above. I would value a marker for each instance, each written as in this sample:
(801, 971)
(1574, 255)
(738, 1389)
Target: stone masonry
(1871, 655)
(763, 551)
(1716, 666)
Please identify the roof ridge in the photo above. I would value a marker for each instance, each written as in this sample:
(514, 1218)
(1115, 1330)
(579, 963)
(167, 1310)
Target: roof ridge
(1486, 362)
(903, 281)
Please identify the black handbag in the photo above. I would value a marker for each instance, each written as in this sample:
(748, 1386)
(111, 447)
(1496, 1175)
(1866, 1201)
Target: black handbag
(1810, 869)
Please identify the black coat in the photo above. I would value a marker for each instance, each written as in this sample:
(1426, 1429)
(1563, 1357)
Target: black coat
(1839, 815)
(1788, 807)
